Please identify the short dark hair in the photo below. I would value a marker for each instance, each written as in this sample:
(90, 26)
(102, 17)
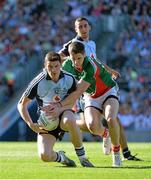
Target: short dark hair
(52, 56)
(77, 47)
(79, 19)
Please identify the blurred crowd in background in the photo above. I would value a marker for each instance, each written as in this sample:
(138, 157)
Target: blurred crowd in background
(29, 29)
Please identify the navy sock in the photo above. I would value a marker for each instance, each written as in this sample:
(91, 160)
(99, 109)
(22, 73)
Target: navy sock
(58, 159)
(126, 152)
(80, 152)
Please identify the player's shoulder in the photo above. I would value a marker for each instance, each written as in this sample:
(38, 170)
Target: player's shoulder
(70, 41)
(92, 42)
(67, 61)
(67, 74)
(42, 75)
(32, 86)
(69, 79)
(77, 39)
(89, 64)
(67, 64)
(64, 49)
(67, 43)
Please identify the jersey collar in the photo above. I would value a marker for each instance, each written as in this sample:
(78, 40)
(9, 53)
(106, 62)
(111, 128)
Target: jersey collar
(79, 38)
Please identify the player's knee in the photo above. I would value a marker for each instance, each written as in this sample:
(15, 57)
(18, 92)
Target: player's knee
(92, 127)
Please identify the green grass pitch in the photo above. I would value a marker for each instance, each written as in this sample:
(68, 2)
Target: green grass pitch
(19, 160)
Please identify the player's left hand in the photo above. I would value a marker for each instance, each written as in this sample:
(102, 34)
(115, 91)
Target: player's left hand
(52, 109)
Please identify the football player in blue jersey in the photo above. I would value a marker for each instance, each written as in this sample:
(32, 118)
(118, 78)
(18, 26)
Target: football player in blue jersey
(53, 85)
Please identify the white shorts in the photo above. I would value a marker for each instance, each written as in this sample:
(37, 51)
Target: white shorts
(98, 102)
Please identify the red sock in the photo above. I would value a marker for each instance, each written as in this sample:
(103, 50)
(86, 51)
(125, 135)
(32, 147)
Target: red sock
(106, 133)
(116, 148)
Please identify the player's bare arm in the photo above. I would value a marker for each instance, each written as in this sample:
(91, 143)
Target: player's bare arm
(82, 86)
(23, 110)
(115, 74)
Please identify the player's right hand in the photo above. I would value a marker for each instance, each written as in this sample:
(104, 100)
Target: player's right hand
(115, 74)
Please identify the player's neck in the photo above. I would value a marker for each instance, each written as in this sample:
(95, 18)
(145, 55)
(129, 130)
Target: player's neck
(80, 69)
(86, 39)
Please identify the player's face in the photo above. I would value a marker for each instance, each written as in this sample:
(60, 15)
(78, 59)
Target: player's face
(82, 29)
(53, 69)
(77, 60)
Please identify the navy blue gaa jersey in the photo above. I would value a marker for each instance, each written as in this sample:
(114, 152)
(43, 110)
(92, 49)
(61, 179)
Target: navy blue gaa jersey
(45, 90)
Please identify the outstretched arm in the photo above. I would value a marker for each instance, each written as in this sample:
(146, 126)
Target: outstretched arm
(82, 86)
(23, 110)
(115, 74)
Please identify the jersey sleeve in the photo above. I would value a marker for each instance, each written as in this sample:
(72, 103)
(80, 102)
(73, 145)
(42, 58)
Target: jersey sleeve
(64, 50)
(71, 83)
(73, 87)
(31, 90)
(65, 65)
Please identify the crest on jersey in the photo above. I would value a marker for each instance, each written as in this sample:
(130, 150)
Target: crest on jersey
(60, 90)
(56, 98)
(92, 56)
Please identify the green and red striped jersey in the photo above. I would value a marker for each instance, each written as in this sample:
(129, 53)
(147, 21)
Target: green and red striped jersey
(92, 72)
